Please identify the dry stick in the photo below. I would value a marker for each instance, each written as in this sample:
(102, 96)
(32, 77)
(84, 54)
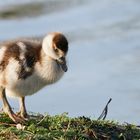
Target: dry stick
(105, 111)
(7, 124)
(42, 120)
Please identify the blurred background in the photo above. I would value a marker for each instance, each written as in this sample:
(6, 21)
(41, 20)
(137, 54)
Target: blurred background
(104, 54)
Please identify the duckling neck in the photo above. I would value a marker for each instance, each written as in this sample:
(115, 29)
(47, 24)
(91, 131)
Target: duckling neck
(49, 69)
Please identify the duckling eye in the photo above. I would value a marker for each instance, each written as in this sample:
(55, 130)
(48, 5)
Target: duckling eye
(56, 50)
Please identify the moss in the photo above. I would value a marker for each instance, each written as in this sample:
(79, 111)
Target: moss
(62, 127)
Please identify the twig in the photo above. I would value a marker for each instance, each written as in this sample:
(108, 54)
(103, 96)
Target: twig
(42, 120)
(105, 111)
(7, 124)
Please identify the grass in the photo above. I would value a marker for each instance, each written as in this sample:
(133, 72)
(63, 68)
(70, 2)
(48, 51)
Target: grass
(62, 127)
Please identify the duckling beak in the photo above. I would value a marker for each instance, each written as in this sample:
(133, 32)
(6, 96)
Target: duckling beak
(62, 62)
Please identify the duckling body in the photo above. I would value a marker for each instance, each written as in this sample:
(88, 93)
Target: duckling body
(21, 79)
(26, 66)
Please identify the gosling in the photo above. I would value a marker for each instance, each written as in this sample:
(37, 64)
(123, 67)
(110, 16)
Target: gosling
(26, 66)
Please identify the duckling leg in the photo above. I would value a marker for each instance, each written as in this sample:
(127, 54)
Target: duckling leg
(22, 112)
(7, 108)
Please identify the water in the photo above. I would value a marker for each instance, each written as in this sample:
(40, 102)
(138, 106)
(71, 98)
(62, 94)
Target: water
(104, 58)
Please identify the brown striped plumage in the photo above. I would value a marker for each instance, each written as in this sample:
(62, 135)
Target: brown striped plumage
(32, 55)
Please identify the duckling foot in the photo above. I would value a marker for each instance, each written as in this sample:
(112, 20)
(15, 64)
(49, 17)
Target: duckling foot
(7, 108)
(23, 115)
(22, 112)
(16, 118)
